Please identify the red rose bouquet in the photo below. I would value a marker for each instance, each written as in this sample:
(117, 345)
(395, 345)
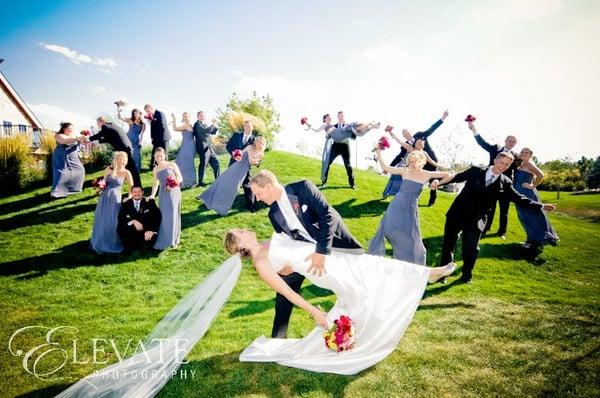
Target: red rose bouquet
(171, 182)
(86, 133)
(236, 154)
(388, 128)
(148, 116)
(470, 118)
(304, 120)
(382, 144)
(99, 184)
(341, 335)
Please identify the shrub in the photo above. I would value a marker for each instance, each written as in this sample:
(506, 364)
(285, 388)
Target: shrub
(17, 168)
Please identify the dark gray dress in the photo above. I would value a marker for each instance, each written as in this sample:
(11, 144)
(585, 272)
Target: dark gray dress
(105, 238)
(185, 159)
(136, 146)
(169, 203)
(67, 171)
(222, 193)
(400, 225)
(535, 222)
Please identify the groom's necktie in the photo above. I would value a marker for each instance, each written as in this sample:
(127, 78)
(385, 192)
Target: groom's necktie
(490, 180)
(137, 206)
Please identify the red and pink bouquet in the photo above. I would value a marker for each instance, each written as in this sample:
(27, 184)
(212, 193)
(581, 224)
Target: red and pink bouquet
(86, 133)
(149, 116)
(304, 120)
(341, 335)
(171, 182)
(382, 144)
(236, 154)
(388, 128)
(470, 118)
(99, 184)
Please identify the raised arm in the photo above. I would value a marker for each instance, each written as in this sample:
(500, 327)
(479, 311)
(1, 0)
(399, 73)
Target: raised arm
(460, 177)
(482, 143)
(66, 140)
(425, 134)
(431, 161)
(267, 274)
(389, 169)
(438, 174)
(180, 128)
(125, 119)
(539, 175)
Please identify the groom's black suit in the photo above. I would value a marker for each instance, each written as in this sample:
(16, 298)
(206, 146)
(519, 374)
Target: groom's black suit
(469, 213)
(202, 133)
(323, 223)
(149, 216)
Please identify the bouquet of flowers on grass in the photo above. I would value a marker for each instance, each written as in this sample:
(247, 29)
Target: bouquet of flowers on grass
(341, 335)
(236, 155)
(171, 183)
(99, 184)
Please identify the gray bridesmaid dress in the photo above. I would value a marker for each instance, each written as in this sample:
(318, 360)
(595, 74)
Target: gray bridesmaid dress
(222, 193)
(169, 203)
(400, 225)
(136, 146)
(185, 159)
(105, 238)
(68, 173)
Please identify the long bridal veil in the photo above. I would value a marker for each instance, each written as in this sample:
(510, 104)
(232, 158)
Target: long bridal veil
(146, 372)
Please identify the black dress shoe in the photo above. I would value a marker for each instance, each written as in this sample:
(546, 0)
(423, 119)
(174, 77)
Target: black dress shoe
(468, 280)
(202, 184)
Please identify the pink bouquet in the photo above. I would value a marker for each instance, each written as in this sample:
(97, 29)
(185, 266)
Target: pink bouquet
(388, 128)
(171, 182)
(99, 184)
(86, 133)
(470, 118)
(341, 335)
(382, 144)
(304, 120)
(236, 154)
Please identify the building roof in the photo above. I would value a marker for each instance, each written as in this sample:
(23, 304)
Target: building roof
(18, 101)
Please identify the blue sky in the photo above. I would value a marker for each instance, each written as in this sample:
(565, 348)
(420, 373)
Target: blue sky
(524, 67)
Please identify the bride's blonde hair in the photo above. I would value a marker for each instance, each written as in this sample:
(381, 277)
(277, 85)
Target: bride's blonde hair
(232, 245)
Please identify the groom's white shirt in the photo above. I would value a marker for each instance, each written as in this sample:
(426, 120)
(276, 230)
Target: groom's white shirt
(290, 217)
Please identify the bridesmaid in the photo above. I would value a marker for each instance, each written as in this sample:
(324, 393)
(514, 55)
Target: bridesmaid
(67, 171)
(535, 222)
(222, 193)
(327, 127)
(400, 223)
(169, 200)
(105, 238)
(135, 134)
(187, 151)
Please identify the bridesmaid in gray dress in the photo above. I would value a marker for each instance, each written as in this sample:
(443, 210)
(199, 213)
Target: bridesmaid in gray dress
(222, 193)
(67, 171)
(105, 238)
(135, 134)
(535, 222)
(169, 200)
(400, 223)
(187, 151)
(327, 127)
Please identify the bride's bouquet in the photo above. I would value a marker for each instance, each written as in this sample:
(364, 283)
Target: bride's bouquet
(341, 335)
(236, 154)
(99, 184)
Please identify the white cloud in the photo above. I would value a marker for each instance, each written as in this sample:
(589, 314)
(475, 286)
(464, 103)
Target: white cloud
(98, 90)
(107, 65)
(51, 116)
(362, 22)
(519, 10)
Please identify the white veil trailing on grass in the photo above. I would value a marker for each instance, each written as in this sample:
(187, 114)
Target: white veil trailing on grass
(146, 372)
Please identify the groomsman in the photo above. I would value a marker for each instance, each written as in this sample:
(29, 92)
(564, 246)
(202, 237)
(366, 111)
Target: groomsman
(493, 151)
(421, 135)
(202, 133)
(159, 131)
(340, 149)
(138, 221)
(117, 138)
(301, 211)
(468, 214)
(241, 140)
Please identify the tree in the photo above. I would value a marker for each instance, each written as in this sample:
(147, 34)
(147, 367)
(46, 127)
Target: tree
(561, 175)
(261, 107)
(592, 177)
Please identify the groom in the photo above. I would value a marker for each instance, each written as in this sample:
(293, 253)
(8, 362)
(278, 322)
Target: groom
(301, 211)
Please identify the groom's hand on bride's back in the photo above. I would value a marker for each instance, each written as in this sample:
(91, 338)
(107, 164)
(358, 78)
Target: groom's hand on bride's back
(317, 266)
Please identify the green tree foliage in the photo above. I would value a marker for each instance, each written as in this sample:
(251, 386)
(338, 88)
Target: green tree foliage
(592, 177)
(561, 175)
(260, 106)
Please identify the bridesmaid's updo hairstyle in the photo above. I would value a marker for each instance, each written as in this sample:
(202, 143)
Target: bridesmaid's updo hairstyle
(232, 245)
(63, 127)
(160, 150)
(325, 116)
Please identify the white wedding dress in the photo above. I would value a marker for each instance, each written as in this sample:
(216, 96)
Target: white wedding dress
(380, 294)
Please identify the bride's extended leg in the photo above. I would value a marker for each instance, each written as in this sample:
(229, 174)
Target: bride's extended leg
(362, 128)
(438, 273)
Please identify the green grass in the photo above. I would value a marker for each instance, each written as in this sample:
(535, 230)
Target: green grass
(524, 328)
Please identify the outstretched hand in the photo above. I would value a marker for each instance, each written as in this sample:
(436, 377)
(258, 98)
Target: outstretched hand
(445, 114)
(319, 316)
(549, 207)
(317, 266)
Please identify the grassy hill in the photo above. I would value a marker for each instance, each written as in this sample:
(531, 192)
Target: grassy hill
(524, 328)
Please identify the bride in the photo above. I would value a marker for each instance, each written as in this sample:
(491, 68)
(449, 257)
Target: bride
(379, 294)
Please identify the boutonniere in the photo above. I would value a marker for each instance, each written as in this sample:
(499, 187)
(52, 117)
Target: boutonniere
(296, 207)
(304, 208)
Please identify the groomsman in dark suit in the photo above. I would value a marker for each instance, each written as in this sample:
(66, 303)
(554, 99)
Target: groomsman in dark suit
(159, 131)
(139, 221)
(117, 138)
(468, 214)
(493, 151)
(301, 211)
(241, 140)
(340, 149)
(421, 135)
(202, 133)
